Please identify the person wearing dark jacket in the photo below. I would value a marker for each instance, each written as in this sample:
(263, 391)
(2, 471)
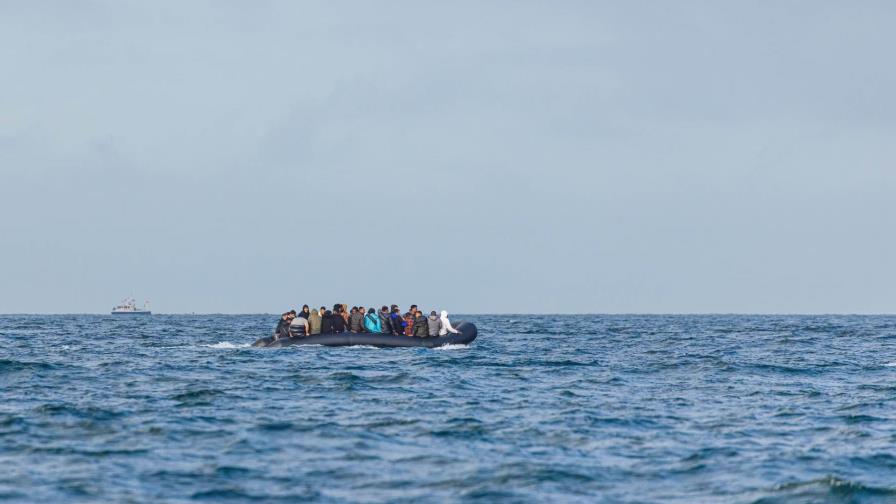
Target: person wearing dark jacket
(305, 313)
(356, 320)
(421, 326)
(338, 323)
(385, 320)
(326, 322)
(435, 324)
(282, 327)
(282, 330)
(398, 323)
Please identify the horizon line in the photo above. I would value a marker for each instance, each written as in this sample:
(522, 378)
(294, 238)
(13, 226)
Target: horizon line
(503, 313)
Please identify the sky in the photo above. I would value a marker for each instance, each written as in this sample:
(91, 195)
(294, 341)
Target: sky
(479, 157)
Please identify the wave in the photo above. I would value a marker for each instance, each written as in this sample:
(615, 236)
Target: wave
(829, 489)
(227, 345)
(201, 397)
(890, 364)
(452, 346)
(12, 366)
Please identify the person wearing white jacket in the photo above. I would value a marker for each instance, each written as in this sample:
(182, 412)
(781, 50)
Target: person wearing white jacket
(446, 325)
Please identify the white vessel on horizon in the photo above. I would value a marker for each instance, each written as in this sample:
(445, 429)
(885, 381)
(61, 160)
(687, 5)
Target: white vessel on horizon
(128, 306)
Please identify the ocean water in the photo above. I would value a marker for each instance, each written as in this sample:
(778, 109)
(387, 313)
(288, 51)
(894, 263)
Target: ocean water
(539, 408)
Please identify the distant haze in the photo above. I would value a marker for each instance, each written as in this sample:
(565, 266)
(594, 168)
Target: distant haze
(475, 156)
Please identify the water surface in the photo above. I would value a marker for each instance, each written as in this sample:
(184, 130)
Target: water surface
(538, 408)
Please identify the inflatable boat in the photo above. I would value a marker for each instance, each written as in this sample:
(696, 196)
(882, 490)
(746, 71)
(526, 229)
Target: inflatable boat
(466, 333)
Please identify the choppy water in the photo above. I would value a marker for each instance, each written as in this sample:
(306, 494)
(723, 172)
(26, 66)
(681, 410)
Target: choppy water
(572, 408)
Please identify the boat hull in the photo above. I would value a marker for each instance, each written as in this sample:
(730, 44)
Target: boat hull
(467, 333)
(141, 312)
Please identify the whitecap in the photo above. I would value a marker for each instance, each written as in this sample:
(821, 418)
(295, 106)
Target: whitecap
(451, 346)
(890, 364)
(227, 344)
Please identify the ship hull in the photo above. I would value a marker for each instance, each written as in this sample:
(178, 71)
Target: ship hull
(141, 312)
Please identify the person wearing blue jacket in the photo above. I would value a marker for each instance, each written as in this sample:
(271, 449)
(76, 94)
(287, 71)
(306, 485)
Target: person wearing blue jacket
(398, 323)
(372, 322)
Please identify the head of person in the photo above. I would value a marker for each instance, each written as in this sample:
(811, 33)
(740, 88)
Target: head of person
(361, 310)
(284, 316)
(433, 314)
(328, 313)
(384, 309)
(323, 310)
(371, 310)
(444, 314)
(292, 312)
(305, 309)
(337, 308)
(413, 309)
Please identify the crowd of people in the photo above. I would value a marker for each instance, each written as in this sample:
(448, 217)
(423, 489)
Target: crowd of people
(388, 320)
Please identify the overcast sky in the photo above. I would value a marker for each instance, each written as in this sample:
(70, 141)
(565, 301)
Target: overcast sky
(231, 156)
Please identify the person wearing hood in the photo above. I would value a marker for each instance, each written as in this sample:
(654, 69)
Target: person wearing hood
(314, 321)
(338, 323)
(434, 323)
(421, 327)
(372, 322)
(305, 313)
(326, 322)
(446, 325)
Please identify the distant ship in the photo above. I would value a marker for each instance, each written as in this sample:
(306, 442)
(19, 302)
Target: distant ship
(129, 307)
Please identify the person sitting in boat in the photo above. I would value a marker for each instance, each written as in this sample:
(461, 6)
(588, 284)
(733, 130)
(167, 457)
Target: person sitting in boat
(282, 329)
(305, 313)
(385, 320)
(314, 322)
(363, 311)
(326, 322)
(408, 320)
(356, 320)
(421, 327)
(339, 321)
(398, 324)
(298, 328)
(372, 322)
(434, 323)
(446, 325)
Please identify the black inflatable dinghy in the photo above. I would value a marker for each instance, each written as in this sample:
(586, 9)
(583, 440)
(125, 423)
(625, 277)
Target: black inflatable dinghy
(466, 333)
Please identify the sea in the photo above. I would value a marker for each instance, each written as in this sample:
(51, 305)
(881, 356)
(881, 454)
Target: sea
(539, 408)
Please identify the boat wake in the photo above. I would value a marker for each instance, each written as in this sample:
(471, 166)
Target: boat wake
(451, 346)
(227, 345)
